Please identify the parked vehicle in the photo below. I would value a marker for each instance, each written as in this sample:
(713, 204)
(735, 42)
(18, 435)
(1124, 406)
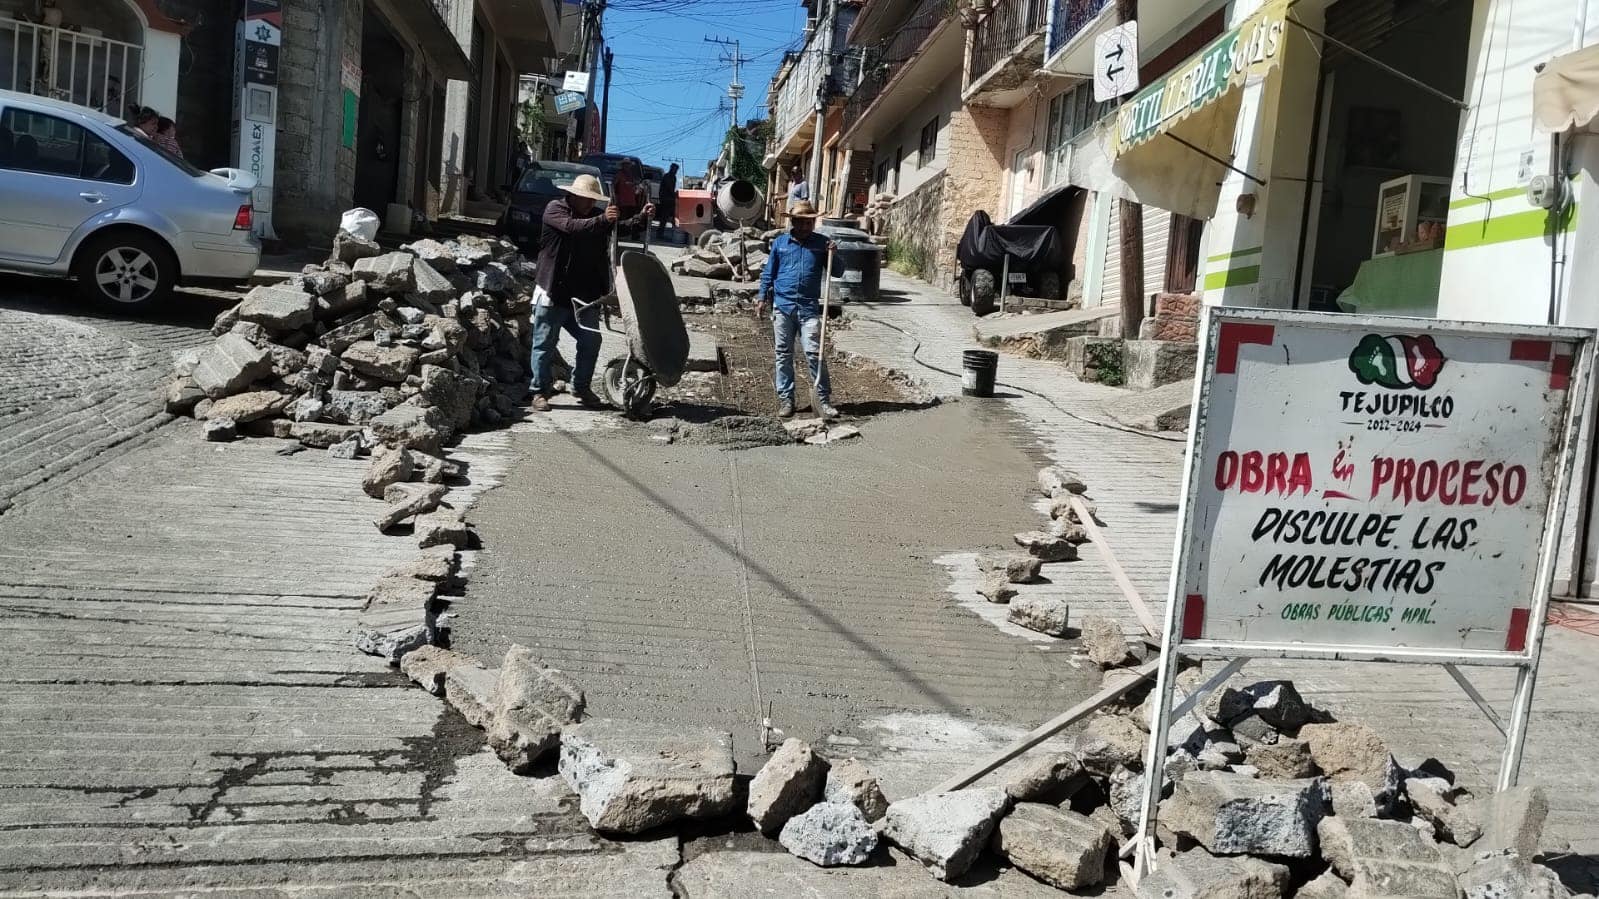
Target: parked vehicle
(1026, 259)
(652, 180)
(540, 183)
(86, 195)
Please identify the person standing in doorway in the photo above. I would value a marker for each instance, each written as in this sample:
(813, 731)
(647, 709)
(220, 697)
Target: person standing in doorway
(666, 201)
(791, 289)
(798, 189)
(573, 272)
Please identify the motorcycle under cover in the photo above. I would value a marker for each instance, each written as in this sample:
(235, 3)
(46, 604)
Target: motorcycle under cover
(985, 245)
(650, 312)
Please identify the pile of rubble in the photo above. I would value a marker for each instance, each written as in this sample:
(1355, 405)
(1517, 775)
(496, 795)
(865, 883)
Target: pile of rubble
(1266, 796)
(728, 255)
(403, 348)
(1069, 508)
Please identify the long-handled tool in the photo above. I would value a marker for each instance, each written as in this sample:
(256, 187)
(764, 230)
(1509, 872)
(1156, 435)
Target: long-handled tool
(821, 340)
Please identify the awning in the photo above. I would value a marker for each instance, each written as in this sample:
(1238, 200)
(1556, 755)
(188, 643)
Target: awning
(1565, 95)
(1171, 141)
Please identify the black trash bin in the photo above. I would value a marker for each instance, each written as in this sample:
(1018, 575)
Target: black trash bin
(978, 368)
(857, 271)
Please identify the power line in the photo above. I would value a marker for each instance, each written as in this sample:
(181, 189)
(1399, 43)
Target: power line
(735, 90)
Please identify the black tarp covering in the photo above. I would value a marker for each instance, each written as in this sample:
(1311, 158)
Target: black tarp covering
(985, 245)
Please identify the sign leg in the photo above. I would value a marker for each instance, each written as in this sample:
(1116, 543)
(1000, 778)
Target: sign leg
(1516, 739)
(1155, 760)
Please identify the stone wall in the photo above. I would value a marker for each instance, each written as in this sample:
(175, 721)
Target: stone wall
(1176, 318)
(913, 220)
(975, 177)
(314, 173)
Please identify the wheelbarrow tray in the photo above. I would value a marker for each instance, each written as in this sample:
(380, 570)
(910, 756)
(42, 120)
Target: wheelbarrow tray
(652, 317)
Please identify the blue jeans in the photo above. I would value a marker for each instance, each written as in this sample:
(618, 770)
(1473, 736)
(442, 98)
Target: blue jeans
(809, 326)
(548, 321)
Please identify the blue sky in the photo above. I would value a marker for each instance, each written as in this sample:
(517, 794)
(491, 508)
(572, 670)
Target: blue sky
(668, 83)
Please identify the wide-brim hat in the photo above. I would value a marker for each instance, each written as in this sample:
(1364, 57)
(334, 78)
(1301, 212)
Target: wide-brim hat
(802, 210)
(587, 186)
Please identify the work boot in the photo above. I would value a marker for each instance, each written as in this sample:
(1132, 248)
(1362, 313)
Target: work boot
(785, 409)
(826, 410)
(541, 403)
(589, 399)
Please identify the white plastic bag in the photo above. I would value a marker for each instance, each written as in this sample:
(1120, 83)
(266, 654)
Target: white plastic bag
(359, 222)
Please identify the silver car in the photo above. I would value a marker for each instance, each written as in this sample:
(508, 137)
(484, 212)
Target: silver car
(84, 194)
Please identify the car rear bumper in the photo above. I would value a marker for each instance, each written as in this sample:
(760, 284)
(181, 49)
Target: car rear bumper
(219, 258)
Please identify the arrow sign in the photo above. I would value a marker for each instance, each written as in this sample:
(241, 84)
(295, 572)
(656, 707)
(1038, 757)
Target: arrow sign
(1116, 62)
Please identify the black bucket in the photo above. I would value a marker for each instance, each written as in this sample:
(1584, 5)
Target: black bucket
(977, 375)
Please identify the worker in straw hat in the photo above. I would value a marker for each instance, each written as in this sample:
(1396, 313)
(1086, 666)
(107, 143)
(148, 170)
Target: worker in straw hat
(573, 271)
(791, 288)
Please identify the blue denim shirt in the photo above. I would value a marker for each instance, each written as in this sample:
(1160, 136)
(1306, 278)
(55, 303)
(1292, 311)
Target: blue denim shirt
(793, 274)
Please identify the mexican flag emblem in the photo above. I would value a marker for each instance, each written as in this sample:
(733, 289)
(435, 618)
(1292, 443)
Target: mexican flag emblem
(1397, 362)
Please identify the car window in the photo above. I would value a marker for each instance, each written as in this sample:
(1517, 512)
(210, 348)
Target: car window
(546, 181)
(182, 164)
(36, 142)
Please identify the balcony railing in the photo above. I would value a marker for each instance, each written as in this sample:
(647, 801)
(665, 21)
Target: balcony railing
(998, 34)
(1071, 17)
(882, 62)
(68, 65)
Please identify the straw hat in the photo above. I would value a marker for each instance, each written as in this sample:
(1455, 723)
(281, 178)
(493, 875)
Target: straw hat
(802, 210)
(587, 186)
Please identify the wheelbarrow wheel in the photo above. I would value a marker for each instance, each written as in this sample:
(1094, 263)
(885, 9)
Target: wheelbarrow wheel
(631, 392)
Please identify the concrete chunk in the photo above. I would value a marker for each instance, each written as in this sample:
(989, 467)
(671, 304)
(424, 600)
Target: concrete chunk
(1386, 858)
(406, 500)
(470, 690)
(229, 365)
(1053, 777)
(1275, 702)
(412, 427)
(1433, 800)
(403, 592)
(390, 467)
(443, 528)
(1200, 875)
(1104, 642)
(848, 780)
(1045, 614)
(1047, 547)
(1061, 848)
(1287, 759)
(391, 644)
(1505, 874)
(631, 776)
(1345, 751)
(427, 666)
(996, 588)
(945, 831)
(383, 363)
(1512, 819)
(390, 272)
(1327, 886)
(1352, 799)
(530, 705)
(1110, 742)
(1233, 814)
(789, 783)
(428, 284)
(830, 834)
(278, 308)
(1018, 568)
(249, 406)
(1057, 480)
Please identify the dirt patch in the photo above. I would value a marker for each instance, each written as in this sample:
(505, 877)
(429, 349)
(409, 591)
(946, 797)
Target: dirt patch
(860, 387)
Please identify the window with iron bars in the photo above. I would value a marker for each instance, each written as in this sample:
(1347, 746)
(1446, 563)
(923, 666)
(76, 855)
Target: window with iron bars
(1070, 115)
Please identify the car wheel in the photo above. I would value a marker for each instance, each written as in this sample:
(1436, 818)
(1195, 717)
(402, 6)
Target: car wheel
(963, 288)
(125, 269)
(984, 291)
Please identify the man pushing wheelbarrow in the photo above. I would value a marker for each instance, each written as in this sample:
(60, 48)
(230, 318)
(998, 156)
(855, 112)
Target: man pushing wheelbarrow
(574, 273)
(791, 289)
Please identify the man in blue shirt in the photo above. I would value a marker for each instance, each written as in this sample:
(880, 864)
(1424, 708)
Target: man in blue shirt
(791, 285)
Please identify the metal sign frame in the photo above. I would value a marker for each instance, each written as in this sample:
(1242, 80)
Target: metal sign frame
(1525, 661)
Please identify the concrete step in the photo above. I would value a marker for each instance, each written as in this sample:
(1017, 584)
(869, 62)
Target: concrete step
(1042, 336)
(704, 352)
(1152, 363)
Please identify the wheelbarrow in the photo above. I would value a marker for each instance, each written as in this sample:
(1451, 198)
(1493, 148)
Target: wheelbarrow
(652, 323)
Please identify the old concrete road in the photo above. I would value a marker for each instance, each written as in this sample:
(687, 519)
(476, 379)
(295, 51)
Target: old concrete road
(182, 712)
(688, 584)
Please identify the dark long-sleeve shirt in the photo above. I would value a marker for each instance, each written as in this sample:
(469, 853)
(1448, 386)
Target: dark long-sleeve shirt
(574, 252)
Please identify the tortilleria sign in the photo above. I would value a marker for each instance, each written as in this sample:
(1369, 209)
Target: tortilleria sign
(1373, 482)
(1253, 48)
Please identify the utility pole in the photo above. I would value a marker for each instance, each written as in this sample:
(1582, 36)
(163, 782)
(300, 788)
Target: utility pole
(1131, 235)
(593, 14)
(735, 90)
(823, 94)
(605, 101)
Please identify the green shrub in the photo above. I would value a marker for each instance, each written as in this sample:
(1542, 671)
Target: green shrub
(1106, 360)
(909, 259)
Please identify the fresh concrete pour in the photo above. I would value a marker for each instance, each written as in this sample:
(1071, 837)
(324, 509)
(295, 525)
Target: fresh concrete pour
(685, 584)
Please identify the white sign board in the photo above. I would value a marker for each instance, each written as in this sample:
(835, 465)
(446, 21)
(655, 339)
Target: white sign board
(1116, 62)
(1372, 482)
(577, 82)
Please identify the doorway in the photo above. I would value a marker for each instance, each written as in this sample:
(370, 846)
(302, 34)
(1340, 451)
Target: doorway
(1384, 154)
(378, 149)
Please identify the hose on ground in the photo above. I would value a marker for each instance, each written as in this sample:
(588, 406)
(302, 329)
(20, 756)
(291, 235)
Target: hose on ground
(916, 357)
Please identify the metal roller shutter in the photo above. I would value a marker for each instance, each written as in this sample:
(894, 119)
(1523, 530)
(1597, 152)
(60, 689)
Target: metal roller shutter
(1157, 227)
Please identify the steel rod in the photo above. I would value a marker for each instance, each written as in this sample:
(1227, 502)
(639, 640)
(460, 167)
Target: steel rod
(1231, 668)
(1476, 697)
(1145, 618)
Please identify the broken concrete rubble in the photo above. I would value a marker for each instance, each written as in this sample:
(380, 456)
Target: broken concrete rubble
(789, 783)
(997, 588)
(945, 831)
(830, 834)
(1233, 814)
(408, 500)
(1056, 480)
(1018, 568)
(1104, 642)
(1052, 777)
(1061, 848)
(1346, 751)
(848, 780)
(1200, 875)
(1385, 858)
(1047, 547)
(632, 776)
(427, 666)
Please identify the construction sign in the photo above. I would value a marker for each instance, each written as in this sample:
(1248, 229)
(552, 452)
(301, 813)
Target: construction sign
(1387, 484)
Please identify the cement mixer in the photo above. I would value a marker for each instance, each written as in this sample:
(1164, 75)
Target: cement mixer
(739, 203)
